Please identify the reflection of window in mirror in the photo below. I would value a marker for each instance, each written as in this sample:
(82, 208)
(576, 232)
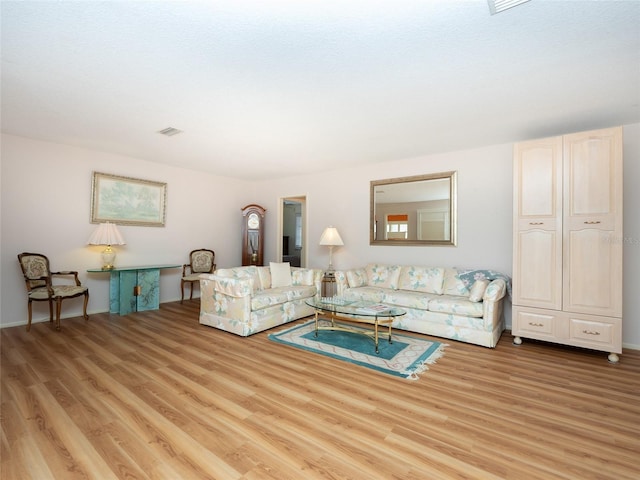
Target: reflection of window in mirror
(397, 227)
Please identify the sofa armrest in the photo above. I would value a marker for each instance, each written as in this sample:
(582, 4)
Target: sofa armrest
(317, 280)
(225, 298)
(493, 304)
(496, 290)
(233, 287)
(307, 276)
(341, 282)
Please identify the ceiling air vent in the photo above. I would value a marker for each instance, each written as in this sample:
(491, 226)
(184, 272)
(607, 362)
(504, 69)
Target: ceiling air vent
(170, 131)
(497, 6)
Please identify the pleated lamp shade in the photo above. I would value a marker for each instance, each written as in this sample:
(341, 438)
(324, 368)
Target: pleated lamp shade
(107, 234)
(331, 238)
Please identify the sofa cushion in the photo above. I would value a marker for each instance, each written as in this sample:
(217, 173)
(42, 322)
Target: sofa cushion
(408, 299)
(301, 276)
(280, 295)
(357, 277)
(422, 279)
(452, 283)
(301, 291)
(456, 306)
(280, 274)
(383, 276)
(372, 294)
(269, 297)
(477, 290)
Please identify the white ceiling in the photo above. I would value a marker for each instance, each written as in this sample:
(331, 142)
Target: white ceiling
(267, 88)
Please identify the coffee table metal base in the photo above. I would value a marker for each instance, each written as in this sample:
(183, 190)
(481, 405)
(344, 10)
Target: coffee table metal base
(375, 321)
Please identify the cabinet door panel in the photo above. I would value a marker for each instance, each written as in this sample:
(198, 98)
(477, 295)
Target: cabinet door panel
(537, 270)
(591, 266)
(537, 255)
(127, 301)
(537, 174)
(590, 174)
(148, 297)
(593, 222)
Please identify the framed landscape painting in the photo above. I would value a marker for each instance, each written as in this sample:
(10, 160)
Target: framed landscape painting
(127, 201)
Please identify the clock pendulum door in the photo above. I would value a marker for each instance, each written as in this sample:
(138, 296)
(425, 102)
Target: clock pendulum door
(253, 235)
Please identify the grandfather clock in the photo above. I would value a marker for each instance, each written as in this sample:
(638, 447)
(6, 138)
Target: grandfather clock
(252, 235)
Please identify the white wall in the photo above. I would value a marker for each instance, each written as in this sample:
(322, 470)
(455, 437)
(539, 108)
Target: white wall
(45, 206)
(631, 263)
(46, 203)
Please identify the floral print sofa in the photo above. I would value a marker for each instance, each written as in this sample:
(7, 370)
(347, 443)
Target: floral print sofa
(243, 301)
(444, 302)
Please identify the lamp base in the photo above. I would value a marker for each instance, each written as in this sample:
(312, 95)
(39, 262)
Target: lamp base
(330, 269)
(108, 257)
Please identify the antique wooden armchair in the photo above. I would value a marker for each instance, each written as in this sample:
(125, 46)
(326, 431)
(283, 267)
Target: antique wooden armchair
(200, 261)
(40, 288)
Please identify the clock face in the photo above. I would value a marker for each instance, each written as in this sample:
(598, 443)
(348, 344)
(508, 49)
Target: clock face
(253, 221)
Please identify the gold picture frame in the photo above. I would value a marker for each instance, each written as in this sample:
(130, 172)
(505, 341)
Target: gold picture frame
(127, 201)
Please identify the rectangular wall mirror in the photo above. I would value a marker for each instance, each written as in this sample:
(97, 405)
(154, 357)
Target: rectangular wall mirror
(418, 210)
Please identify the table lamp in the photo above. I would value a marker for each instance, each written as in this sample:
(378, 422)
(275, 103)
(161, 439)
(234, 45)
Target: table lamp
(331, 238)
(107, 234)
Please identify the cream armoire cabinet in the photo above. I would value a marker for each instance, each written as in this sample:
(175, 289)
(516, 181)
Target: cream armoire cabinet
(567, 242)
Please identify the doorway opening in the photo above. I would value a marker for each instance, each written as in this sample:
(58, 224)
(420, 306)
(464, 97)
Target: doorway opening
(292, 241)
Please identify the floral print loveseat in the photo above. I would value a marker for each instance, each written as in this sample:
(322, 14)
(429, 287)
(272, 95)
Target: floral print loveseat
(243, 301)
(463, 305)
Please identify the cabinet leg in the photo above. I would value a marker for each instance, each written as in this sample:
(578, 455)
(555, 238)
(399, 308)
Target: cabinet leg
(613, 358)
(517, 341)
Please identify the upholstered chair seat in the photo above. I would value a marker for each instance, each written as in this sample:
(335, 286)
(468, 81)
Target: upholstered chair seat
(40, 288)
(58, 291)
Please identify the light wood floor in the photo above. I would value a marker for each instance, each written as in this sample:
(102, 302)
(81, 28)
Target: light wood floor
(156, 395)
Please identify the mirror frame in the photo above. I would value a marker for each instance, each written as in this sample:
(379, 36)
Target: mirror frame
(452, 176)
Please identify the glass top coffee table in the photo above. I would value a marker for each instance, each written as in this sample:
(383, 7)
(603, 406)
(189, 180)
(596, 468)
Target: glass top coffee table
(359, 311)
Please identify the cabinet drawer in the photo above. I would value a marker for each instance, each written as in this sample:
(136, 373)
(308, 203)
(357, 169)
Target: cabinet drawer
(538, 324)
(592, 333)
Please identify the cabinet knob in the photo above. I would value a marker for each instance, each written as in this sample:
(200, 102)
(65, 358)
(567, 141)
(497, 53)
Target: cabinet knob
(590, 332)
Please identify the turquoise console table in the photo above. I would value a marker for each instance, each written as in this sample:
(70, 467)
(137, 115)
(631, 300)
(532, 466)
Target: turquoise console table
(134, 289)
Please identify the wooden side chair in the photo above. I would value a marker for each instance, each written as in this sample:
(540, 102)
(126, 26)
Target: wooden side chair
(200, 261)
(40, 288)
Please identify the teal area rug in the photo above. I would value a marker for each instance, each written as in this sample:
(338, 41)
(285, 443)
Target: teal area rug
(405, 357)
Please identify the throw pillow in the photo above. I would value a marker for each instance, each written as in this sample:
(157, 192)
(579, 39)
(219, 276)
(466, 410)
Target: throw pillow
(302, 276)
(280, 274)
(357, 278)
(383, 276)
(422, 279)
(264, 273)
(478, 289)
(453, 285)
